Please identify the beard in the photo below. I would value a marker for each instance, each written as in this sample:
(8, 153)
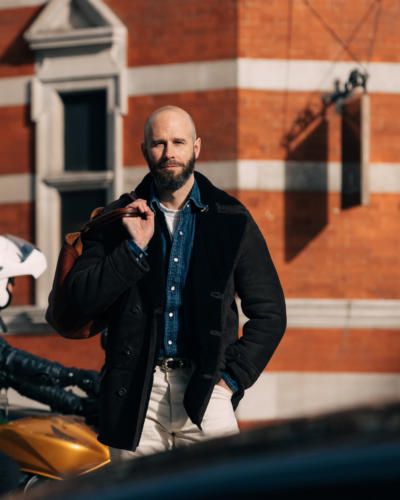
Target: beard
(168, 180)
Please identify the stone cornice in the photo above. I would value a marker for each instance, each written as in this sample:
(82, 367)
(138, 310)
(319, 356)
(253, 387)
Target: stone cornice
(73, 181)
(66, 23)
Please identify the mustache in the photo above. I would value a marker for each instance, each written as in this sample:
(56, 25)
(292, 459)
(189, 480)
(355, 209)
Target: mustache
(169, 163)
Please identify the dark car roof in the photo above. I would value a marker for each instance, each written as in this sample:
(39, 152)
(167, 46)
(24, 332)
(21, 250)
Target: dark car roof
(353, 454)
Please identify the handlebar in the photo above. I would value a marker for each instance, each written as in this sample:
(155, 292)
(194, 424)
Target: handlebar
(45, 381)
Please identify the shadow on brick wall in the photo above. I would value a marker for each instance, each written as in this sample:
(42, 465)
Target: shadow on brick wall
(306, 183)
(351, 153)
(17, 52)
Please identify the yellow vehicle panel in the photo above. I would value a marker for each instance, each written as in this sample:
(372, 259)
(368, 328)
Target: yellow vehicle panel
(53, 446)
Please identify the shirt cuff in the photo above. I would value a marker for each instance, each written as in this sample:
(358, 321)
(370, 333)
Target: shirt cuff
(137, 251)
(230, 382)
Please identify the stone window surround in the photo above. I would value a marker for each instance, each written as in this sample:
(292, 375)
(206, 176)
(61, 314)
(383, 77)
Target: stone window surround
(79, 46)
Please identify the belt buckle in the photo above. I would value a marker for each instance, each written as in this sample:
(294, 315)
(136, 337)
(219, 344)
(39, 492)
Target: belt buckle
(164, 365)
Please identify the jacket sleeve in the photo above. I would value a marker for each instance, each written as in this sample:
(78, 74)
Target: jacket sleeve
(101, 274)
(257, 285)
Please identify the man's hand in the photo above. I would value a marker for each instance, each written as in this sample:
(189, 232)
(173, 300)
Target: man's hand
(140, 228)
(223, 384)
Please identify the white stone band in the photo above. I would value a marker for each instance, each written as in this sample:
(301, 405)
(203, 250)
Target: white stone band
(279, 175)
(15, 4)
(257, 74)
(262, 175)
(280, 395)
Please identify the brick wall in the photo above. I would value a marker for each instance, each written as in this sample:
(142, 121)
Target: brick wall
(253, 124)
(15, 56)
(354, 254)
(174, 31)
(320, 250)
(16, 140)
(86, 353)
(319, 29)
(335, 351)
(385, 129)
(265, 119)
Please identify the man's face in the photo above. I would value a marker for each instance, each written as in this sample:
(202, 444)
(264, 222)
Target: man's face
(170, 150)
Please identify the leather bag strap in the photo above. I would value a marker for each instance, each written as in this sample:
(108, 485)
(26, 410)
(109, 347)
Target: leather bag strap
(101, 220)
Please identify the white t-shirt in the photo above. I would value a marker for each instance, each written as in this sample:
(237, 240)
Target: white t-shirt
(172, 218)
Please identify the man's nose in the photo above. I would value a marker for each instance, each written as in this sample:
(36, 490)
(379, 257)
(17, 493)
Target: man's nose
(169, 151)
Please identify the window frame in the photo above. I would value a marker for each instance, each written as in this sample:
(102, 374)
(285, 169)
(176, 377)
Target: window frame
(89, 55)
(51, 179)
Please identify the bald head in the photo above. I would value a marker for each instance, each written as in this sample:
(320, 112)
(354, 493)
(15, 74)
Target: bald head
(169, 113)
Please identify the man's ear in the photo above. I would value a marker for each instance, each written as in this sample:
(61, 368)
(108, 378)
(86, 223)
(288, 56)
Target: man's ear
(197, 147)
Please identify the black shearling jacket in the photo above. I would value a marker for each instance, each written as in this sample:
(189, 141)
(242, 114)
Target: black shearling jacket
(229, 257)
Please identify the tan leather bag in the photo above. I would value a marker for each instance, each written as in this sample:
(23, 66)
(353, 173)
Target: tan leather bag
(58, 314)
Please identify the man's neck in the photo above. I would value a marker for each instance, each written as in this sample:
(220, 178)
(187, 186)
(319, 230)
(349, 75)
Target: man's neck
(176, 199)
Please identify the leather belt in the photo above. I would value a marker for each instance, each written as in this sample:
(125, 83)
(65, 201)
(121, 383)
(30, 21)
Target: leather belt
(168, 364)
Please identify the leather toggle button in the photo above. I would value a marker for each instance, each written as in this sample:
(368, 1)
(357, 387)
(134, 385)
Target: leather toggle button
(137, 309)
(122, 391)
(215, 333)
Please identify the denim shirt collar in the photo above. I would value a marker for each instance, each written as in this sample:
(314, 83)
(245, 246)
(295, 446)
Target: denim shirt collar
(194, 197)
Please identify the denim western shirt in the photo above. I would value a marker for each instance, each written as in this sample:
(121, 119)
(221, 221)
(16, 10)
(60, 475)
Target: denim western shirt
(177, 250)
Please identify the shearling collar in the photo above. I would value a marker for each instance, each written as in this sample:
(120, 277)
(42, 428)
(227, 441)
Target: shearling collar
(210, 195)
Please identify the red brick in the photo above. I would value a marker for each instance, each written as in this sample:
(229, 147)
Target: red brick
(267, 127)
(174, 31)
(352, 255)
(16, 140)
(385, 129)
(15, 56)
(336, 350)
(317, 29)
(85, 353)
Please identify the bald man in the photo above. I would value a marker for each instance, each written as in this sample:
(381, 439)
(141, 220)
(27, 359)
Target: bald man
(167, 280)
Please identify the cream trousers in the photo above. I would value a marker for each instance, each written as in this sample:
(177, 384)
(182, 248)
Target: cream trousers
(167, 425)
